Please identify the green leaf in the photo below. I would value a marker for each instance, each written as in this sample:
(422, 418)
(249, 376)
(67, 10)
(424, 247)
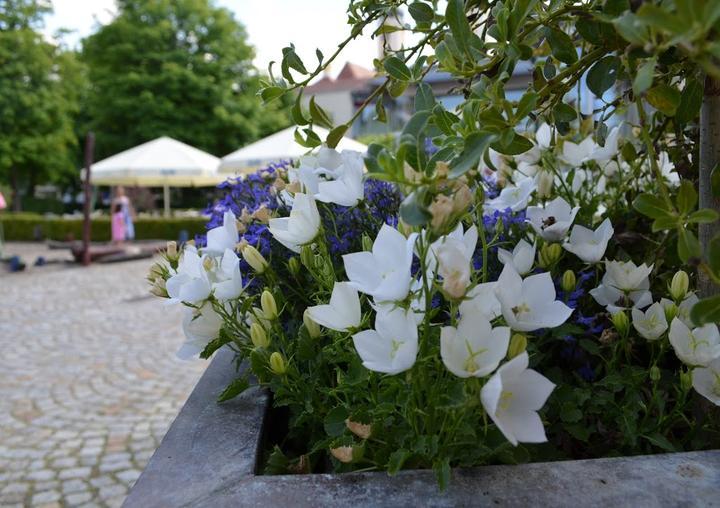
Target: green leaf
(659, 18)
(442, 473)
(589, 29)
(518, 144)
(380, 113)
(444, 120)
(603, 74)
(396, 461)
(318, 114)
(397, 69)
(526, 105)
(458, 23)
(644, 77)
(215, 344)
(335, 135)
(631, 29)
(234, 389)
(664, 98)
(397, 88)
(334, 423)
(615, 7)
(277, 462)
(420, 12)
(651, 206)
(704, 216)
(564, 113)
(690, 102)
(424, 98)
(292, 60)
(686, 198)
(475, 145)
(561, 45)
(665, 223)
(297, 114)
(569, 413)
(706, 311)
(661, 441)
(688, 245)
(413, 210)
(270, 93)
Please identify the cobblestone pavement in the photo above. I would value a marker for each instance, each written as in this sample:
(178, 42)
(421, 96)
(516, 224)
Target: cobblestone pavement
(89, 382)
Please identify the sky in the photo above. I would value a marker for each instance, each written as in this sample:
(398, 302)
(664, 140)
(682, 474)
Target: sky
(271, 25)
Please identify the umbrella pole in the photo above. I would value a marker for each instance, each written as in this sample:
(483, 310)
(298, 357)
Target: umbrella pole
(89, 147)
(166, 200)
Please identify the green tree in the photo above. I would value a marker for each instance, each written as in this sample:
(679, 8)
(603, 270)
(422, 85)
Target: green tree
(176, 68)
(39, 87)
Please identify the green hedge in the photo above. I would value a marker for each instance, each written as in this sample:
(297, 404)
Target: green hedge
(22, 227)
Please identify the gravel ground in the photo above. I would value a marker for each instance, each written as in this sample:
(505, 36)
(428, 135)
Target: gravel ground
(89, 382)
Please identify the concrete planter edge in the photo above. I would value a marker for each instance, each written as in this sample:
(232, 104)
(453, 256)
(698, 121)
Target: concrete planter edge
(208, 458)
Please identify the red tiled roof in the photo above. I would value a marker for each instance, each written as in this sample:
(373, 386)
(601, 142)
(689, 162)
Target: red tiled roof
(351, 77)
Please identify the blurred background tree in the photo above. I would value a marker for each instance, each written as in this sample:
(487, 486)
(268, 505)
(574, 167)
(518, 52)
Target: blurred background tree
(40, 86)
(180, 68)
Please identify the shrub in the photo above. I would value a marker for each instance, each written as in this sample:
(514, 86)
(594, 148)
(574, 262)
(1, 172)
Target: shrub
(30, 227)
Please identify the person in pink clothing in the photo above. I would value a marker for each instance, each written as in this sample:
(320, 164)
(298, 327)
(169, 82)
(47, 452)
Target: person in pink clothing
(118, 224)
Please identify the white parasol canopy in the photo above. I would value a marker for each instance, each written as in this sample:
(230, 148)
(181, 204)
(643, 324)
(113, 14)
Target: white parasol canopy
(274, 148)
(162, 162)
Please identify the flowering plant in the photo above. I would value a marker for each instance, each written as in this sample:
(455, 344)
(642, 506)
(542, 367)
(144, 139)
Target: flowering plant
(512, 281)
(395, 346)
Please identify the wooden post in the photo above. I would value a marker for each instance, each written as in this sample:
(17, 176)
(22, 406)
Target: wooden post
(89, 147)
(709, 158)
(166, 200)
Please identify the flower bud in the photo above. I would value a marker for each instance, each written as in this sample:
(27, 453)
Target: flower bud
(361, 430)
(568, 281)
(518, 344)
(307, 257)
(258, 336)
(441, 210)
(654, 373)
(277, 363)
(671, 311)
(262, 214)
(294, 266)
(367, 243)
(245, 216)
(347, 454)
(544, 184)
(679, 285)
(171, 250)
(156, 271)
(549, 254)
(462, 199)
(621, 323)
(311, 326)
(268, 305)
(685, 380)
(253, 257)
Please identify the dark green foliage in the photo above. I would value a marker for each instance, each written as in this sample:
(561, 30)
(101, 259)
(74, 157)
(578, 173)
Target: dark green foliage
(22, 227)
(40, 86)
(176, 68)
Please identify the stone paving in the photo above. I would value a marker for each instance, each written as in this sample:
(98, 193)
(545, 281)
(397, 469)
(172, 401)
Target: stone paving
(89, 382)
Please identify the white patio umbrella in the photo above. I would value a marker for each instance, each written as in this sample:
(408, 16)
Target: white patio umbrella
(276, 147)
(162, 162)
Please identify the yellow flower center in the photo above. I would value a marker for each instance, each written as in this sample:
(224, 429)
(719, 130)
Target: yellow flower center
(505, 400)
(470, 365)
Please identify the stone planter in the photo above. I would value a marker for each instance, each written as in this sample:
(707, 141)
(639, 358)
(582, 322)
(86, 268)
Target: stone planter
(209, 458)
